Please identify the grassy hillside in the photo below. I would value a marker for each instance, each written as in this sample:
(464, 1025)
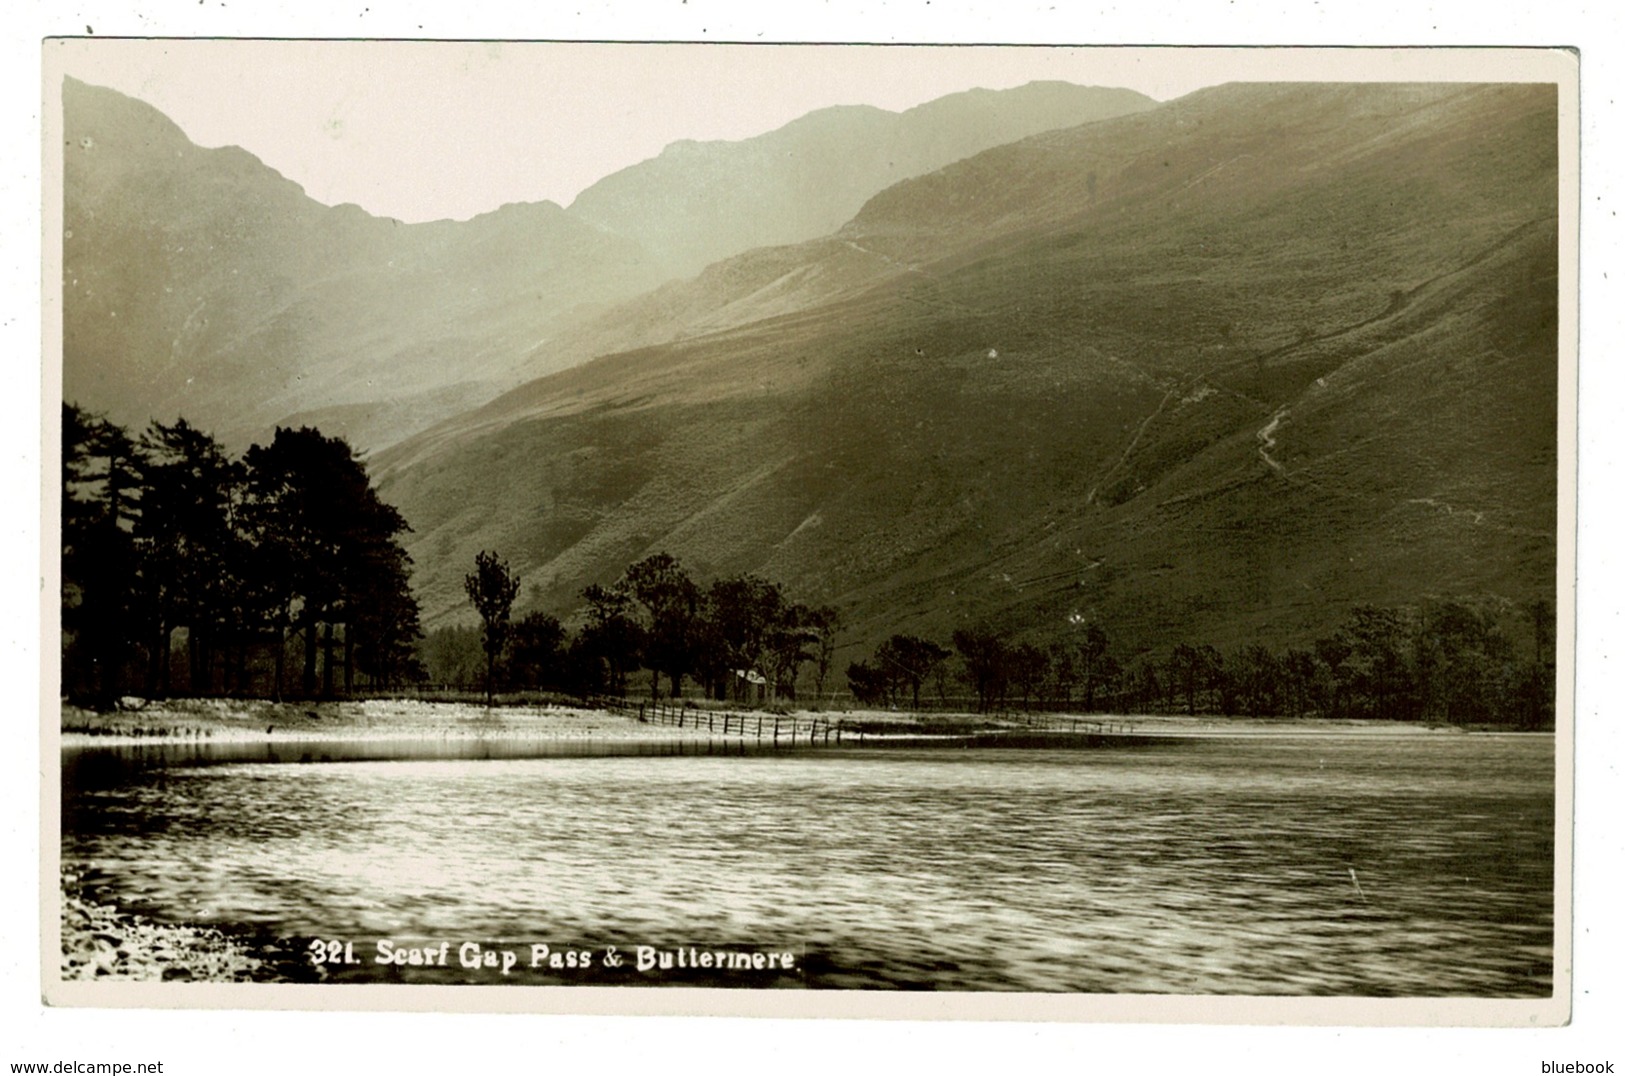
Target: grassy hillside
(700, 202)
(199, 282)
(1218, 370)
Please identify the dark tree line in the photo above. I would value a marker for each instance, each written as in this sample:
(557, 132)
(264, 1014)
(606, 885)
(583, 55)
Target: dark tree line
(164, 536)
(1452, 661)
(739, 637)
(900, 668)
(1066, 672)
(1447, 660)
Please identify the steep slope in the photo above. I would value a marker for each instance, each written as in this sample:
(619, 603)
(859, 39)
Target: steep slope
(1411, 454)
(1215, 370)
(700, 202)
(199, 282)
(1131, 181)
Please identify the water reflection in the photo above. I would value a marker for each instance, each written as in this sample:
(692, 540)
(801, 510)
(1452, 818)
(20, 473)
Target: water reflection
(1420, 867)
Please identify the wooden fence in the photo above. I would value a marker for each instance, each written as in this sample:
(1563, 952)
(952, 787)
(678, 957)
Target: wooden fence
(1062, 723)
(780, 730)
(787, 730)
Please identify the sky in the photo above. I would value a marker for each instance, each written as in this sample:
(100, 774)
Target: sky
(430, 130)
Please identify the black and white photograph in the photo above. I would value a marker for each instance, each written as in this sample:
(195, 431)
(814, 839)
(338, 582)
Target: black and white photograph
(821, 529)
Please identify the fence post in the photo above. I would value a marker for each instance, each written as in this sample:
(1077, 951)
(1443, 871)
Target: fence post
(775, 731)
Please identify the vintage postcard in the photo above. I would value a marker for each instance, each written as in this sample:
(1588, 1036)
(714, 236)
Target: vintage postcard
(981, 532)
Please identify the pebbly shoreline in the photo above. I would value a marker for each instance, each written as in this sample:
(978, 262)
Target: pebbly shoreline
(102, 942)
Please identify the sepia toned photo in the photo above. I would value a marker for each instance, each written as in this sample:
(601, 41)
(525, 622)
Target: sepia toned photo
(792, 529)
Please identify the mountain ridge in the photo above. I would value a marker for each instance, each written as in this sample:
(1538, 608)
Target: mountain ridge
(1060, 408)
(820, 166)
(300, 308)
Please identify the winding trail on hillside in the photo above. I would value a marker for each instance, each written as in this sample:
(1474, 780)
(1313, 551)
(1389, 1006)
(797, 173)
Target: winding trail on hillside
(1134, 441)
(1449, 510)
(1227, 162)
(1400, 299)
(887, 258)
(945, 304)
(1266, 442)
(175, 346)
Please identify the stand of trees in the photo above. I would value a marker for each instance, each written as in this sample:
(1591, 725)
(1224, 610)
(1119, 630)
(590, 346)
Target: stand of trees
(1447, 660)
(739, 637)
(165, 537)
(281, 573)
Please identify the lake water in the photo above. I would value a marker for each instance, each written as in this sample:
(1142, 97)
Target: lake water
(1404, 865)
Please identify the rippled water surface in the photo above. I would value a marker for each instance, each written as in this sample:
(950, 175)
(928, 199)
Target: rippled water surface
(1372, 866)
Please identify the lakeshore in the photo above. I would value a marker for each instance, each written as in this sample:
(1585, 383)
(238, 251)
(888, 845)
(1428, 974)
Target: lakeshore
(101, 941)
(257, 720)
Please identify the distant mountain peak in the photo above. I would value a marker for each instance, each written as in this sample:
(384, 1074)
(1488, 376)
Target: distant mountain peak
(205, 283)
(1207, 371)
(698, 202)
